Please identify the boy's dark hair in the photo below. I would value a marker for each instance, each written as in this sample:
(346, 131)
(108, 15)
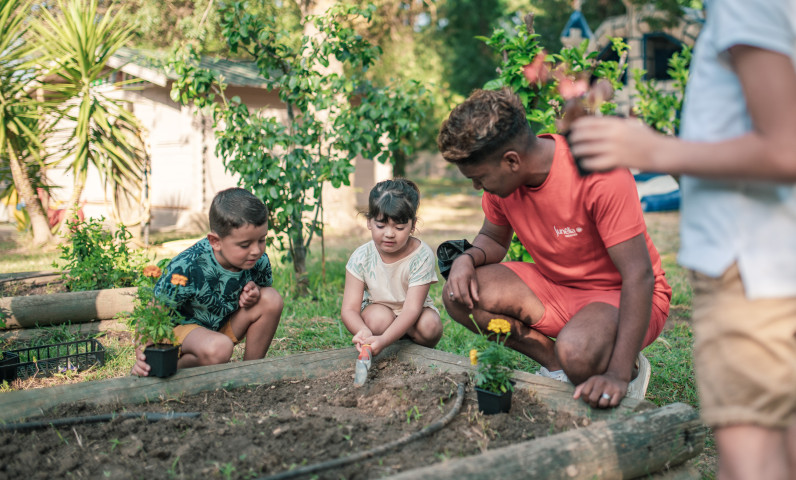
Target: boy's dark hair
(396, 199)
(482, 124)
(233, 208)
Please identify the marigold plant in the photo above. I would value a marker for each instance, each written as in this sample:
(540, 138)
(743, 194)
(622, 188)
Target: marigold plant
(154, 316)
(493, 359)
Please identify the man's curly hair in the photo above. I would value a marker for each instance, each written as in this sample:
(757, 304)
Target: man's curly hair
(485, 122)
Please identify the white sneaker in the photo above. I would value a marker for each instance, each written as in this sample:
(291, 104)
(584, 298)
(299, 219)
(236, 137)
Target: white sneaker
(637, 388)
(555, 375)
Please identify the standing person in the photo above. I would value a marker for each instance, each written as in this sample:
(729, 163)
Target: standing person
(596, 285)
(737, 153)
(227, 292)
(387, 279)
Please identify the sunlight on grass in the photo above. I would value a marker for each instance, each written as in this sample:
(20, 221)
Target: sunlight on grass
(19, 259)
(672, 377)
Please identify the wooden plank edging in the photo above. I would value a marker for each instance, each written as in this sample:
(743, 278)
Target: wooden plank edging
(26, 403)
(68, 307)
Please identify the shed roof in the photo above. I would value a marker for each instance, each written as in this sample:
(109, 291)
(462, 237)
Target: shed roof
(153, 67)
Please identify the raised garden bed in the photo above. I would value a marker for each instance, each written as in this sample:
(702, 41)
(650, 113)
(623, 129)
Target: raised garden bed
(631, 441)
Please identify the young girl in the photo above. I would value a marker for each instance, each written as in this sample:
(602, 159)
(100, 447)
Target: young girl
(388, 279)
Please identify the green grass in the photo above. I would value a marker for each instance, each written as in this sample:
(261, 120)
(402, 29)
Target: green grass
(18, 259)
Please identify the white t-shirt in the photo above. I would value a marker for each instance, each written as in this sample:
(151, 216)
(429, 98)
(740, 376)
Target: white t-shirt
(752, 223)
(387, 283)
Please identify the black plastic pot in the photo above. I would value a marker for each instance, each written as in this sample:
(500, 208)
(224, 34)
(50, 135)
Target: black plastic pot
(9, 366)
(162, 359)
(490, 403)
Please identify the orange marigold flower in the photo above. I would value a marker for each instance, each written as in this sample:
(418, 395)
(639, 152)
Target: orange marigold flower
(178, 279)
(152, 271)
(474, 357)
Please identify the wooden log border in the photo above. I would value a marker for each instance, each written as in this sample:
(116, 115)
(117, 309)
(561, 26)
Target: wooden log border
(635, 439)
(70, 307)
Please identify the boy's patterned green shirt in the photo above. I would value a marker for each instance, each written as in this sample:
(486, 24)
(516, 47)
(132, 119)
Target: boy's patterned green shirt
(212, 292)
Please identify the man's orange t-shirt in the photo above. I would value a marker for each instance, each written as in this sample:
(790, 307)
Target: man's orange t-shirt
(568, 223)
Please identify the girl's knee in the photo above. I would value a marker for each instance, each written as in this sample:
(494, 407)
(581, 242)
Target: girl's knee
(428, 329)
(377, 318)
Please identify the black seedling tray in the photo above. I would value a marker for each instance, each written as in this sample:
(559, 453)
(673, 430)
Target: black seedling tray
(46, 360)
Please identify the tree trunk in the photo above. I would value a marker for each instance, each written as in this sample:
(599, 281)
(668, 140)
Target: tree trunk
(399, 162)
(25, 191)
(300, 262)
(73, 206)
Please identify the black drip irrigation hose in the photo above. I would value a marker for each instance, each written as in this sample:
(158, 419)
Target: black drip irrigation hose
(60, 422)
(338, 462)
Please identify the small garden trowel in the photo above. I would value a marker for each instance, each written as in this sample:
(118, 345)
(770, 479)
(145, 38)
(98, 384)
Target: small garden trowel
(363, 365)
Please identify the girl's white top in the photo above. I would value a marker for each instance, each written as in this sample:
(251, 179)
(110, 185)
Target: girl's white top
(387, 283)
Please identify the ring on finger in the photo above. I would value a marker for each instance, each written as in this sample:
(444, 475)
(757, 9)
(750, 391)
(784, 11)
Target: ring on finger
(605, 396)
(450, 294)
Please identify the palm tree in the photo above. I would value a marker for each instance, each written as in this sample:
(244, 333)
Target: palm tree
(20, 132)
(104, 134)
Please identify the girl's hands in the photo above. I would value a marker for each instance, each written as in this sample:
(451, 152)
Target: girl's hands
(361, 338)
(366, 337)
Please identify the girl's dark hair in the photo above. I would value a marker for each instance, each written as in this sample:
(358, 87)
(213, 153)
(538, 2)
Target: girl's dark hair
(396, 200)
(233, 208)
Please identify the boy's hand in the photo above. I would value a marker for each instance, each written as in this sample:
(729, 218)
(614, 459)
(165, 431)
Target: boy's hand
(140, 368)
(249, 296)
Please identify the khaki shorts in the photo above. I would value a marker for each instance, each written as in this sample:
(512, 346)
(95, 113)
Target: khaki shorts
(744, 354)
(182, 331)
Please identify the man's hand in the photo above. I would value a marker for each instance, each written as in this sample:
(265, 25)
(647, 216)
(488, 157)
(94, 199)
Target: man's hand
(462, 285)
(140, 368)
(249, 296)
(602, 391)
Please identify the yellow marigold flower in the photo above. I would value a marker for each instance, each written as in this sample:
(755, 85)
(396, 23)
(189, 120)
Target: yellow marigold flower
(152, 271)
(474, 357)
(178, 279)
(499, 325)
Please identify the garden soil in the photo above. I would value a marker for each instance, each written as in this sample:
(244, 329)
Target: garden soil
(262, 430)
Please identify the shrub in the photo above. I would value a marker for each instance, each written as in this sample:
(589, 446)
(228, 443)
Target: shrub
(97, 258)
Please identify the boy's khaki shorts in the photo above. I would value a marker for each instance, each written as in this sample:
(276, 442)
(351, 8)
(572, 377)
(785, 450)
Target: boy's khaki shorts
(182, 331)
(744, 354)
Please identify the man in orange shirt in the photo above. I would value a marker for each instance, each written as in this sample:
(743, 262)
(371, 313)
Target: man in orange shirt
(596, 293)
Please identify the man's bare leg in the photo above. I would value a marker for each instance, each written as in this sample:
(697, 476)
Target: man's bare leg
(521, 308)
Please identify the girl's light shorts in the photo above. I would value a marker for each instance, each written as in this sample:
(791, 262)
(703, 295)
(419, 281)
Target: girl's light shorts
(562, 303)
(744, 354)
